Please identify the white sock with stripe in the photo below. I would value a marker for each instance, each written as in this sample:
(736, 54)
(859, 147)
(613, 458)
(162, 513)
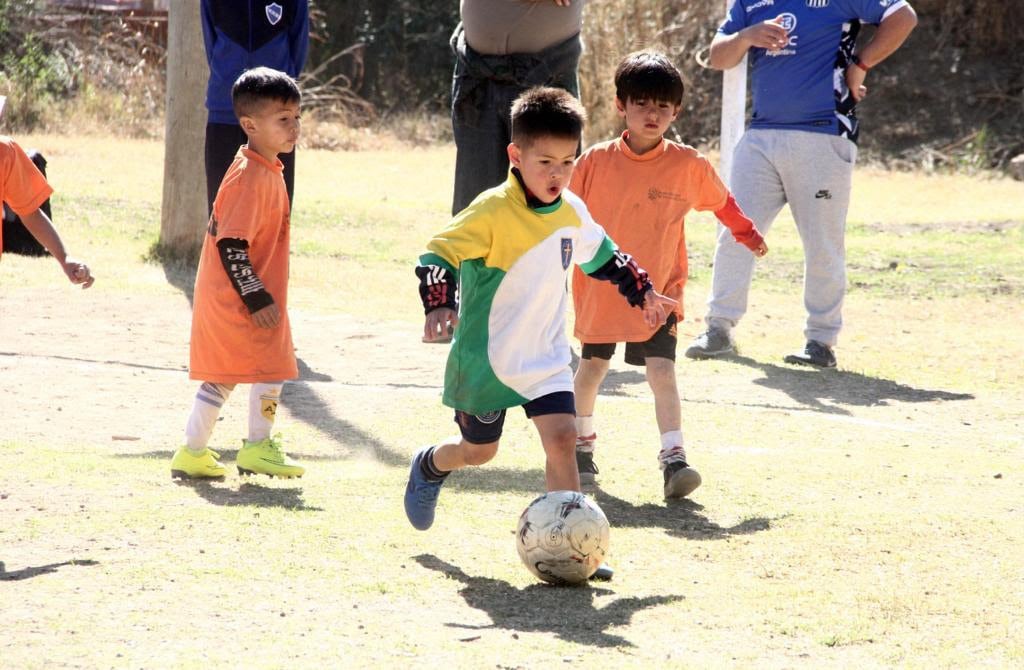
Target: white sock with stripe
(205, 410)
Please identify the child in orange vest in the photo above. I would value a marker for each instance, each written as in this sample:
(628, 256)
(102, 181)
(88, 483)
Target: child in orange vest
(640, 187)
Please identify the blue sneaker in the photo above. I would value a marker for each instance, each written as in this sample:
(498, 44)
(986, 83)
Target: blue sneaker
(421, 494)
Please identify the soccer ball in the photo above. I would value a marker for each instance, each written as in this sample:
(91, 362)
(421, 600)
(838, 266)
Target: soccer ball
(562, 537)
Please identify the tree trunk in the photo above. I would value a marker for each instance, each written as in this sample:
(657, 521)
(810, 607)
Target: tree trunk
(183, 215)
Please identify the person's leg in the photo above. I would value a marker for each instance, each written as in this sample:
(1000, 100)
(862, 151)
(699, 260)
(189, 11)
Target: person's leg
(195, 459)
(661, 377)
(819, 178)
(480, 125)
(261, 453)
(222, 142)
(558, 437)
(554, 416)
(288, 160)
(758, 189)
(431, 465)
(591, 372)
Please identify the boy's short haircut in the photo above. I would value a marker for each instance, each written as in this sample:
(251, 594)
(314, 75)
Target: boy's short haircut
(544, 111)
(648, 75)
(259, 85)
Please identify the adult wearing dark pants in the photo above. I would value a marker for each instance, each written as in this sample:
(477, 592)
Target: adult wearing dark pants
(240, 35)
(502, 48)
(800, 148)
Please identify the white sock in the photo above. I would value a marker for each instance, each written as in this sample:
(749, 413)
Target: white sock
(205, 410)
(263, 398)
(585, 425)
(673, 438)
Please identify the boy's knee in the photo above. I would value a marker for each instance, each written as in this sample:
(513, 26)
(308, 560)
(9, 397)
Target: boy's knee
(478, 454)
(561, 439)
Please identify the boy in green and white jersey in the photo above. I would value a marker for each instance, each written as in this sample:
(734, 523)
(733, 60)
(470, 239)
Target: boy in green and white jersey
(497, 275)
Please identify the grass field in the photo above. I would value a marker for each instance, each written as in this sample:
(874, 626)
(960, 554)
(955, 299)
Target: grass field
(871, 516)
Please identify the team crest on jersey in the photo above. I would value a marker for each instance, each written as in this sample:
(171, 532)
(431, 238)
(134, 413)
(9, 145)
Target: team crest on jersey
(817, 4)
(274, 13)
(566, 252)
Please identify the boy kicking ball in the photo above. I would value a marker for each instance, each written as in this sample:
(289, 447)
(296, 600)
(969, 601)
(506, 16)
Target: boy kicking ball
(240, 328)
(508, 255)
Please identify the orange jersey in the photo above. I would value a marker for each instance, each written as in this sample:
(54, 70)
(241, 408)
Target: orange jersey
(22, 186)
(227, 347)
(641, 201)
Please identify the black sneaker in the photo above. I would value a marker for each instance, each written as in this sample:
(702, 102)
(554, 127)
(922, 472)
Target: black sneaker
(709, 344)
(588, 469)
(680, 480)
(814, 354)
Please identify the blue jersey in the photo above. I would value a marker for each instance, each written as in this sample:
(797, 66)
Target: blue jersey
(802, 86)
(243, 34)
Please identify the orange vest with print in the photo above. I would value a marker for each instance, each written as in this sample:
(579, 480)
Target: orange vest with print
(227, 347)
(22, 186)
(641, 201)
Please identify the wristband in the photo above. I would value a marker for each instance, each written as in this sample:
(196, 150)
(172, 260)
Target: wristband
(855, 59)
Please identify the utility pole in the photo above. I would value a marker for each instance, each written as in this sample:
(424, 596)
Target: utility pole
(183, 214)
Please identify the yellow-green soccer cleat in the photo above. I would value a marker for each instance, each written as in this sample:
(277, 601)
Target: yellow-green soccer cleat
(186, 465)
(267, 458)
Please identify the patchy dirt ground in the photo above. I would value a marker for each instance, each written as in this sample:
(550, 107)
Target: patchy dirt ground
(101, 366)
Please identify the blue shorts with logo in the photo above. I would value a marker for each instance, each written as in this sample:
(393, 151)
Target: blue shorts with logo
(486, 428)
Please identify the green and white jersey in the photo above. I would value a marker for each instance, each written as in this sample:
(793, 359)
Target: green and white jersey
(512, 265)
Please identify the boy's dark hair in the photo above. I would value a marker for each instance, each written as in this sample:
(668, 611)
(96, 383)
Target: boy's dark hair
(648, 75)
(544, 111)
(260, 84)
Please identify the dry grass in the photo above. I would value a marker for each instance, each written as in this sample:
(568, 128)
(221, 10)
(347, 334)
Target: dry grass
(868, 517)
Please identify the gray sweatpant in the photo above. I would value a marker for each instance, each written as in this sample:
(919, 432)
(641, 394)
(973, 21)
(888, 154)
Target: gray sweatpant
(812, 172)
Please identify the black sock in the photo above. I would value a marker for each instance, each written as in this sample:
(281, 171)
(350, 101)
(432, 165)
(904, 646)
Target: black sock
(429, 470)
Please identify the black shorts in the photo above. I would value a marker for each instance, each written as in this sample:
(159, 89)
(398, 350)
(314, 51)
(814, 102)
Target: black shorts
(661, 345)
(486, 428)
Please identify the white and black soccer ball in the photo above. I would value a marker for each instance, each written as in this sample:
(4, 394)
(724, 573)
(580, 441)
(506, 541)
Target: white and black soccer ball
(562, 537)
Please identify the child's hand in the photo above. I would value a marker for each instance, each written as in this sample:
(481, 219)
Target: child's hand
(656, 308)
(268, 317)
(78, 273)
(760, 250)
(439, 325)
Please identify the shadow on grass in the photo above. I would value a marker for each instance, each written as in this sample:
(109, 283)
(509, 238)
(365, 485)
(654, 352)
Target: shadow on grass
(567, 612)
(249, 495)
(28, 573)
(810, 387)
(678, 518)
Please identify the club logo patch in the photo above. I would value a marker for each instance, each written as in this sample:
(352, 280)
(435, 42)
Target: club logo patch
(489, 417)
(268, 408)
(274, 13)
(566, 252)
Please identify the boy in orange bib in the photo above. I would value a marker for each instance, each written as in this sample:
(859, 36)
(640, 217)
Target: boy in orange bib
(240, 328)
(24, 188)
(640, 186)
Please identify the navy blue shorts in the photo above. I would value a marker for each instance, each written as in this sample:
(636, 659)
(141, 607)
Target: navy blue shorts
(661, 345)
(486, 428)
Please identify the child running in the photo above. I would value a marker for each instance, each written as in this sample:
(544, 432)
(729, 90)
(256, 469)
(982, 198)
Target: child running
(240, 328)
(24, 188)
(640, 186)
(497, 275)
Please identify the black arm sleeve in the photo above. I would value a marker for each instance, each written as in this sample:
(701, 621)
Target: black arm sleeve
(438, 288)
(234, 254)
(631, 279)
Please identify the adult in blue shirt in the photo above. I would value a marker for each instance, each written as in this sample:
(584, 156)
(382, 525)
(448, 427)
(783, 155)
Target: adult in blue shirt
(807, 77)
(240, 35)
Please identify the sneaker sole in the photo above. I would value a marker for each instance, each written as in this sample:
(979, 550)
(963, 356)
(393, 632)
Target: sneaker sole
(602, 574)
(248, 473)
(682, 483)
(700, 354)
(181, 474)
(793, 359)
